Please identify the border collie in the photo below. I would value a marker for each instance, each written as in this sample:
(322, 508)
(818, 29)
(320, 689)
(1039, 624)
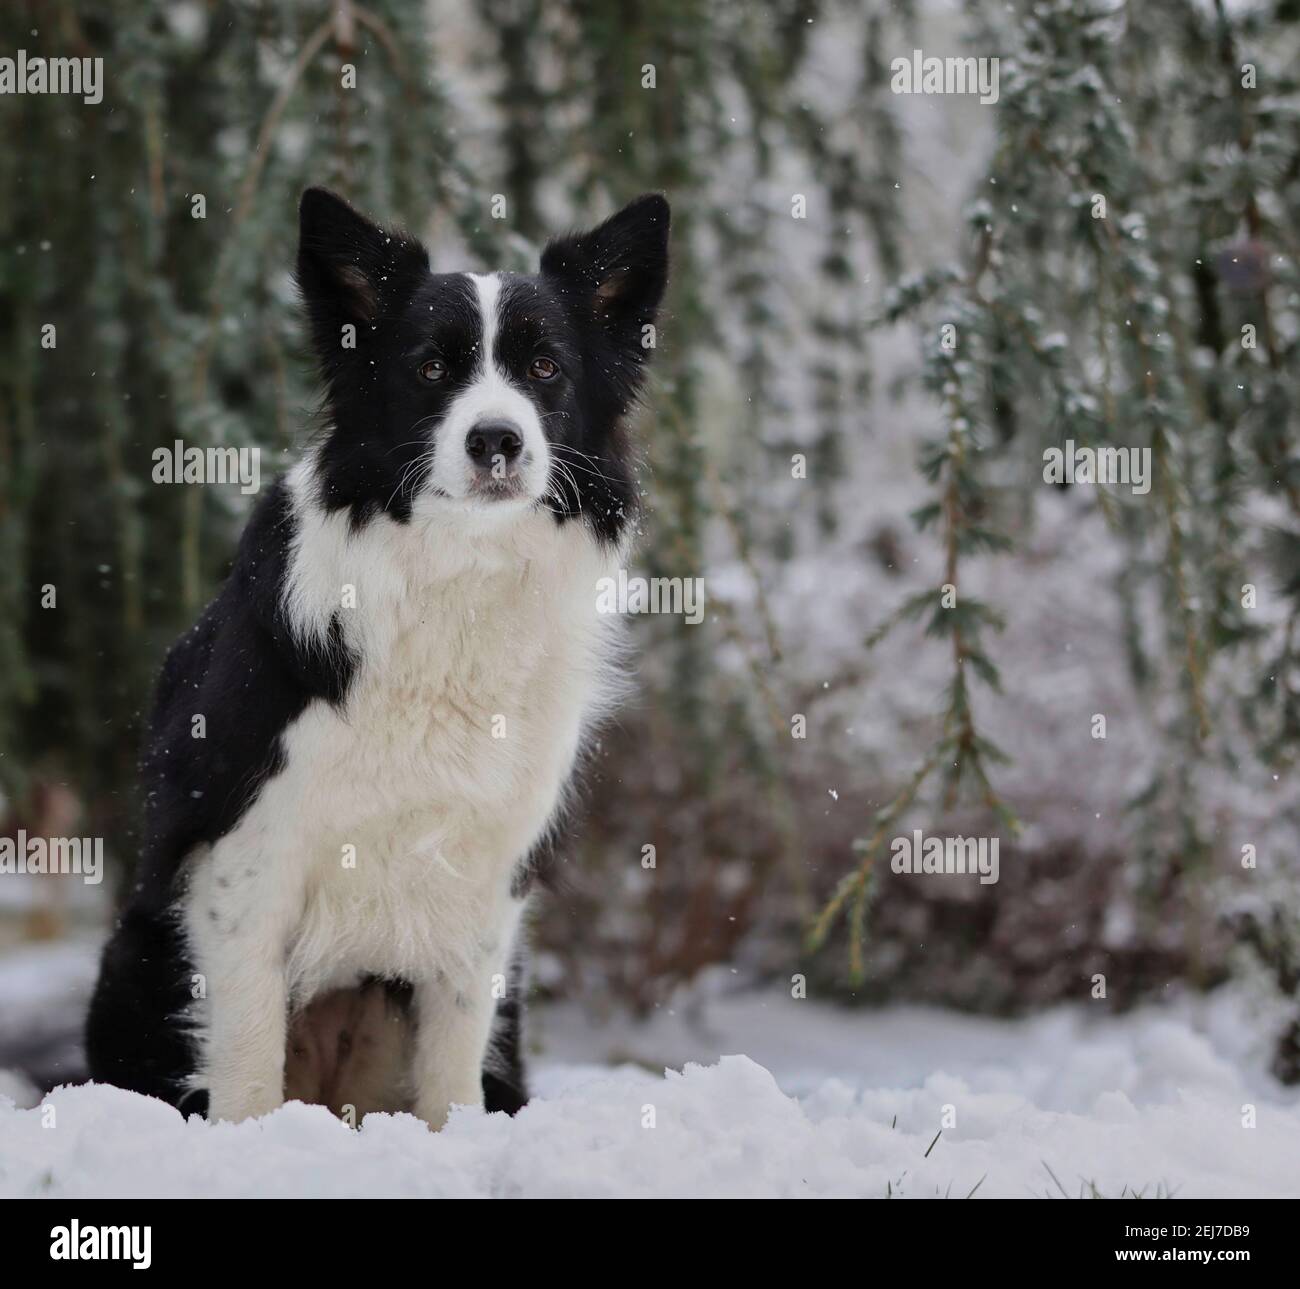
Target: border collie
(395, 682)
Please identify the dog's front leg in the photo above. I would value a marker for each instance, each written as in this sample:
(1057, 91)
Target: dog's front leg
(453, 1026)
(247, 1030)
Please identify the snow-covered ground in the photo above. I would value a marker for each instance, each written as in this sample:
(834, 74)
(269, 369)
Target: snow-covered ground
(823, 1102)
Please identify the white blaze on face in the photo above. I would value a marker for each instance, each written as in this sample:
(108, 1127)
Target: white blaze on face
(491, 396)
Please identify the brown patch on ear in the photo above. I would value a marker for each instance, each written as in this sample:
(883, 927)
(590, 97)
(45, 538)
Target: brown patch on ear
(612, 287)
(360, 289)
(610, 292)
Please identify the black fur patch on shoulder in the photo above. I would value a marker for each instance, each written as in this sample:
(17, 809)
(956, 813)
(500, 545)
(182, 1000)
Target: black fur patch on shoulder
(241, 669)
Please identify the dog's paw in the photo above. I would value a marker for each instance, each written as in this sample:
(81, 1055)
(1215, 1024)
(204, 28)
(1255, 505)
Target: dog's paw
(434, 1112)
(241, 1106)
(435, 1107)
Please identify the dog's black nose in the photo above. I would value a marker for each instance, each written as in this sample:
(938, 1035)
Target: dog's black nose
(491, 441)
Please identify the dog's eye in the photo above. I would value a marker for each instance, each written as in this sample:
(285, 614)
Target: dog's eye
(435, 369)
(544, 369)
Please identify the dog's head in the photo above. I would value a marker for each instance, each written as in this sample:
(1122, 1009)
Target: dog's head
(492, 394)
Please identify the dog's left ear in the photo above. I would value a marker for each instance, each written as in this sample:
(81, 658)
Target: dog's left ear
(619, 269)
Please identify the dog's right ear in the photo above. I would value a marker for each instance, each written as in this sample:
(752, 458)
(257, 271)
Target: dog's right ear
(349, 269)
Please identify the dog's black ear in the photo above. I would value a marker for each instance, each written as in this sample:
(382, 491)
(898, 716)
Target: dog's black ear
(350, 270)
(618, 269)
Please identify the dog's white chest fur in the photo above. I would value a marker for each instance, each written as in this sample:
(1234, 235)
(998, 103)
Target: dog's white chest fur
(387, 843)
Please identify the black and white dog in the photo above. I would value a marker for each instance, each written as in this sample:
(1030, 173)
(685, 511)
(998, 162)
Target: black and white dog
(394, 684)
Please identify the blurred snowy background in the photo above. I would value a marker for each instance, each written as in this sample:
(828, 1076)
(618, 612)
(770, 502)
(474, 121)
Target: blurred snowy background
(793, 330)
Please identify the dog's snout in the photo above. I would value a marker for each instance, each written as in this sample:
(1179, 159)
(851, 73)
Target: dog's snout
(490, 442)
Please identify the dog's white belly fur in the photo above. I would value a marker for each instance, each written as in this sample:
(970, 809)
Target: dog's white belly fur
(387, 843)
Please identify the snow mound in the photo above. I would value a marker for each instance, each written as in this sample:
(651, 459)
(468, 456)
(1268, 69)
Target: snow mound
(720, 1130)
